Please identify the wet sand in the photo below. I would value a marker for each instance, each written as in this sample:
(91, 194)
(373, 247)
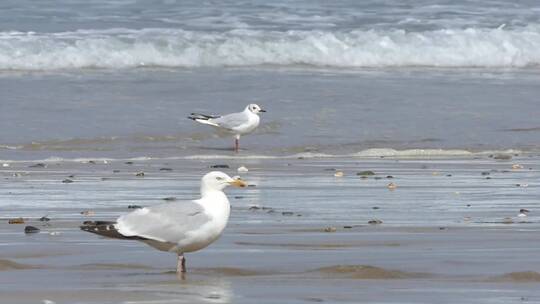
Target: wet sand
(448, 234)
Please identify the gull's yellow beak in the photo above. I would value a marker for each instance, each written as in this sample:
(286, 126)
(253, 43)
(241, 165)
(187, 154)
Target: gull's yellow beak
(238, 183)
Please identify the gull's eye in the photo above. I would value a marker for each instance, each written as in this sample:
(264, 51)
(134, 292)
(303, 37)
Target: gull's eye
(219, 178)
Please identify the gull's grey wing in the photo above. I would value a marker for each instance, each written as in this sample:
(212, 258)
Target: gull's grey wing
(165, 223)
(231, 121)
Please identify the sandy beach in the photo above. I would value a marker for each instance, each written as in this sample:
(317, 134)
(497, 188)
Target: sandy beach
(397, 159)
(298, 234)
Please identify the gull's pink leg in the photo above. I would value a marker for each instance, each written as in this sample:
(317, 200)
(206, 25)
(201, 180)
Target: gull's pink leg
(181, 264)
(237, 143)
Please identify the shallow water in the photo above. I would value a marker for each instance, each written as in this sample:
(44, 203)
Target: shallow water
(441, 236)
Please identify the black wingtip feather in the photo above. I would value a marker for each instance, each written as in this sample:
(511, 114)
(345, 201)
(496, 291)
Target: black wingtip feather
(107, 229)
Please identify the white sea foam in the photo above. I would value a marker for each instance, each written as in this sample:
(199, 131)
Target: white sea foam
(124, 48)
(368, 153)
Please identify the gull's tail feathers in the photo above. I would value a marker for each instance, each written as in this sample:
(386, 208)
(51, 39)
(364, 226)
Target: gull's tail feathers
(106, 229)
(203, 118)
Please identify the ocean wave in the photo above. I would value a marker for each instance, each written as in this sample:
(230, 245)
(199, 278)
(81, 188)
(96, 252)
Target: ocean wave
(125, 48)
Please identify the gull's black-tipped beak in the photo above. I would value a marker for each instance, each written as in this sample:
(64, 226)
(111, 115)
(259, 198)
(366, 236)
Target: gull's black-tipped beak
(261, 110)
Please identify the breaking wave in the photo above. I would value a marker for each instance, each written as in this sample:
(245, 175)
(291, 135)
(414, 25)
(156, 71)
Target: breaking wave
(126, 48)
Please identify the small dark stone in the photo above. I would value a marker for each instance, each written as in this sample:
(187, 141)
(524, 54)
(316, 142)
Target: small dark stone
(71, 176)
(271, 211)
(442, 228)
(44, 219)
(347, 227)
(468, 205)
(502, 156)
(363, 177)
(253, 208)
(267, 208)
(377, 177)
(116, 171)
(139, 174)
(220, 167)
(374, 222)
(67, 181)
(238, 197)
(165, 169)
(92, 162)
(134, 207)
(31, 229)
(375, 208)
(449, 175)
(488, 177)
(129, 163)
(170, 198)
(485, 173)
(389, 176)
(105, 178)
(38, 165)
(330, 169)
(287, 213)
(424, 167)
(365, 173)
(252, 185)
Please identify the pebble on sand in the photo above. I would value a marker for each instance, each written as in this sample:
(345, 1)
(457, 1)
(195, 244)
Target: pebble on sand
(365, 173)
(134, 207)
(5, 165)
(375, 222)
(44, 219)
(169, 199)
(165, 169)
(67, 181)
(18, 220)
(219, 166)
(517, 166)
(502, 156)
(391, 186)
(87, 212)
(38, 165)
(338, 174)
(508, 220)
(139, 174)
(242, 169)
(31, 229)
(330, 229)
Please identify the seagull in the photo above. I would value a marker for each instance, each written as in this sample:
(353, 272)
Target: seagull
(237, 123)
(178, 227)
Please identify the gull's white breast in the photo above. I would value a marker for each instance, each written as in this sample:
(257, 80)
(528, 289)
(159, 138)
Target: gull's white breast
(217, 207)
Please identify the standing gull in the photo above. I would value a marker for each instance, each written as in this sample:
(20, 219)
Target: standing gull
(177, 226)
(237, 123)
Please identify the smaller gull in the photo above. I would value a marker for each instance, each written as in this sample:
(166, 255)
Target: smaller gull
(237, 123)
(178, 227)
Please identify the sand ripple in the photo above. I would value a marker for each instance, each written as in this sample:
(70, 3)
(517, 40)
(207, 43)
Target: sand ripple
(367, 272)
(521, 276)
(10, 265)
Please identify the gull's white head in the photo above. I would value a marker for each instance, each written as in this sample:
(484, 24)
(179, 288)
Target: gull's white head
(217, 181)
(254, 108)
